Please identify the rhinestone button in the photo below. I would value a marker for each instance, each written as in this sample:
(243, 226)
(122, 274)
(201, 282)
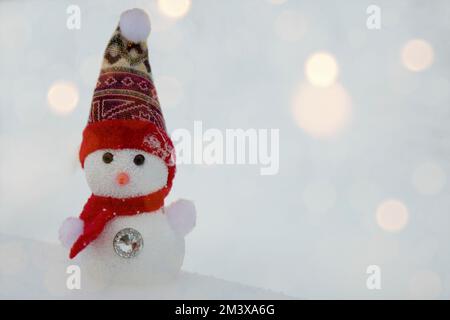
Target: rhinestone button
(128, 243)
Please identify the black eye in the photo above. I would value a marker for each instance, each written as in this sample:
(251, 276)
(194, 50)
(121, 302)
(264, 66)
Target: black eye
(108, 157)
(139, 160)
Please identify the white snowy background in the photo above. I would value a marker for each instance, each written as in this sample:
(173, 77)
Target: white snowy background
(365, 183)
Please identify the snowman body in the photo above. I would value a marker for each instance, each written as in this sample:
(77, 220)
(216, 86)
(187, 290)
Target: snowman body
(158, 256)
(159, 259)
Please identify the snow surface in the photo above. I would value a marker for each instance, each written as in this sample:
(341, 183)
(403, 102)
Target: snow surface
(37, 270)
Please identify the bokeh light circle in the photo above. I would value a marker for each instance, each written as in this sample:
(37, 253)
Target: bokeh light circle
(392, 215)
(321, 69)
(174, 8)
(63, 97)
(417, 55)
(322, 112)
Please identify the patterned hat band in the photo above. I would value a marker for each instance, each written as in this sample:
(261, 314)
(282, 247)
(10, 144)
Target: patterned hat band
(121, 94)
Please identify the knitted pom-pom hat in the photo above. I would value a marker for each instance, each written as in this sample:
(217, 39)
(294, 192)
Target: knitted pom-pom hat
(125, 111)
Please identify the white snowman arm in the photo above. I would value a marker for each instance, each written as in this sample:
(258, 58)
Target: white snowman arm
(70, 231)
(182, 216)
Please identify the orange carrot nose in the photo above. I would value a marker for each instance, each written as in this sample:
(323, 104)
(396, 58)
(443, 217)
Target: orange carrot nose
(123, 178)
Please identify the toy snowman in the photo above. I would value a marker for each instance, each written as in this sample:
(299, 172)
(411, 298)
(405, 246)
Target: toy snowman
(124, 232)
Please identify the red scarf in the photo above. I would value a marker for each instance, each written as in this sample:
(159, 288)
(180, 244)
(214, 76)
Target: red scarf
(98, 211)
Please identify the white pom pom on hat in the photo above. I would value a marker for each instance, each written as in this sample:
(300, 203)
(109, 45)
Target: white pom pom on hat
(135, 25)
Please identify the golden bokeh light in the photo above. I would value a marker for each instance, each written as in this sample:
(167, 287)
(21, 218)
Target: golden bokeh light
(321, 69)
(322, 111)
(174, 8)
(63, 97)
(392, 215)
(417, 55)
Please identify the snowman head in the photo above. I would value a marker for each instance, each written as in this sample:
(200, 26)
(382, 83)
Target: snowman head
(124, 173)
(127, 158)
